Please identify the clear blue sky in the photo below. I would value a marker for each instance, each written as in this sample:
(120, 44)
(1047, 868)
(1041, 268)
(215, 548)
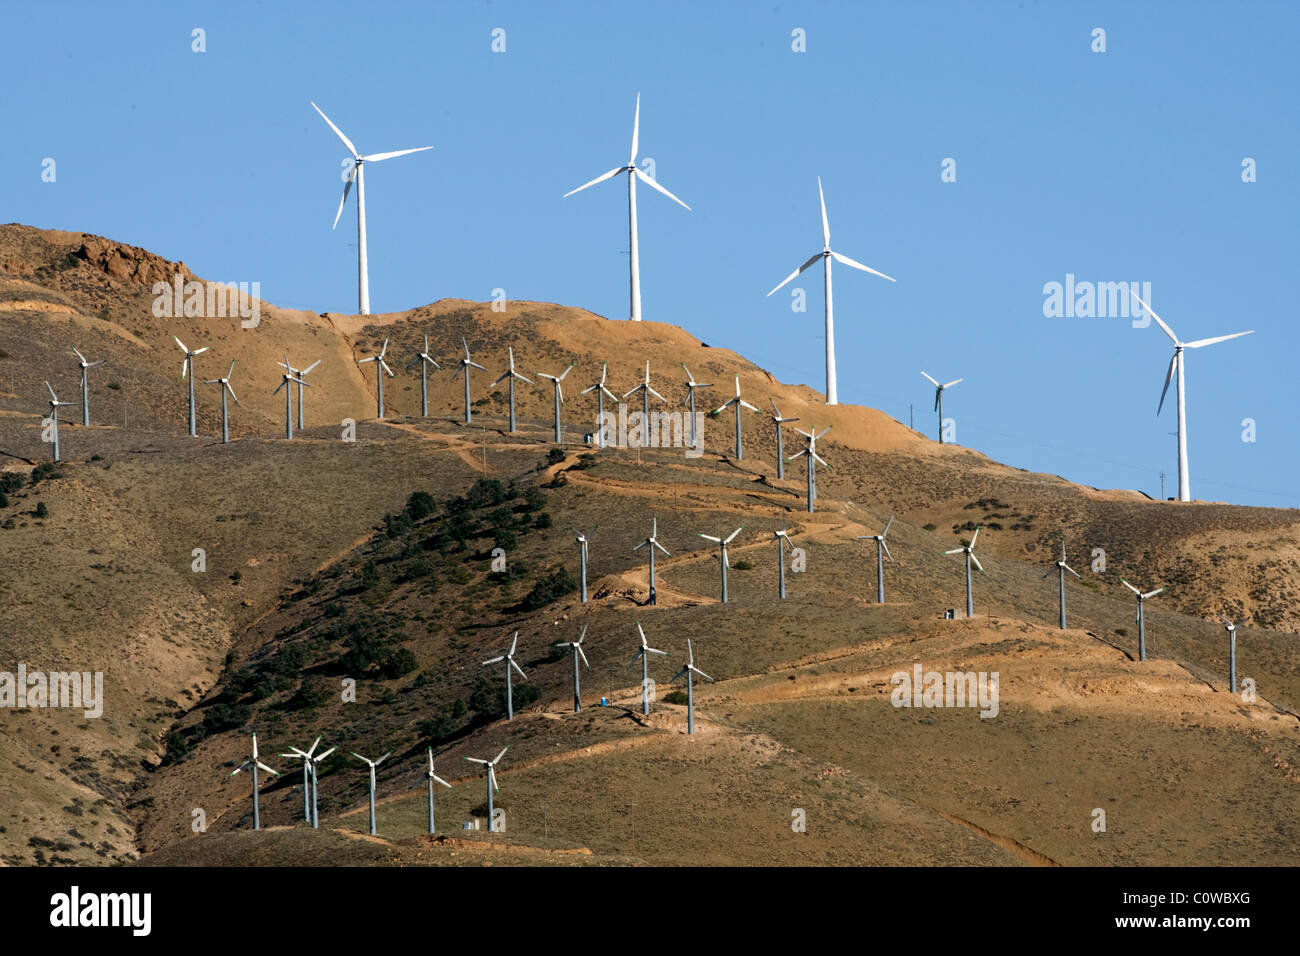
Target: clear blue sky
(1115, 166)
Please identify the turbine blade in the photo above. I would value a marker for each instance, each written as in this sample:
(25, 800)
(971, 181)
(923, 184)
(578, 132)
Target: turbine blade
(1200, 343)
(1074, 572)
(974, 536)
(953, 382)
(810, 261)
(347, 188)
(858, 265)
(933, 381)
(1151, 594)
(976, 561)
(599, 179)
(655, 185)
(734, 533)
(1168, 331)
(1168, 378)
(583, 656)
(636, 131)
(826, 226)
(704, 675)
(346, 142)
(378, 157)
(1129, 586)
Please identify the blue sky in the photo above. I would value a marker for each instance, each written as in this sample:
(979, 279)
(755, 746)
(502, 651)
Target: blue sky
(1117, 166)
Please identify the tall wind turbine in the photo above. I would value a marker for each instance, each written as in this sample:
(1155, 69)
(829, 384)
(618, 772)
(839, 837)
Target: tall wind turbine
(691, 386)
(738, 403)
(1232, 654)
(373, 764)
(777, 422)
(601, 391)
(810, 449)
(492, 787)
(782, 540)
(254, 764)
(938, 399)
(286, 380)
(633, 174)
(1061, 568)
(298, 373)
(652, 542)
(433, 778)
(644, 652)
(315, 785)
(1142, 615)
(380, 368)
(225, 387)
(510, 377)
(358, 176)
(882, 553)
(305, 756)
(85, 385)
(55, 405)
(425, 360)
(826, 255)
(576, 646)
(723, 542)
(558, 389)
(187, 372)
(690, 670)
(465, 365)
(646, 391)
(969, 551)
(509, 658)
(582, 558)
(1176, 363)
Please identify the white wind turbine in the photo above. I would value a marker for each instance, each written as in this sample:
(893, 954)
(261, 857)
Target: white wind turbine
(288, 379)
(315, 785)
(601, 391)
(509, 658)
(690, 670)
(738, 403)
(225, 387)
(651, 543)
(826, 255)
(357, 175)
(1061, 568)
(425, 360)
(810, 449)
(576, 647)
(85, 385)
(380, 368)
(465, 365)
(1176, 364)
(777, 422)
(938, 399)
(1232, 653)
(782, 540)
(882, 553)
(633, 174)
(582, 559)
(1141, 616)
(555, 381)
(55, 405)
(643, 653)
(298, 373)
(492, 787)
(969, 551)
(723, 542)
(691, 386)
(433, 778)
(646, 391)
(372, 764)
(187, 372)
(306, 757)
(510, 377)
(253, 764)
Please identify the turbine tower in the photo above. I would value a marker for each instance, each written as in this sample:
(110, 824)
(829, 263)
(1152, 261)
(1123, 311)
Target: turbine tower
(690, 670)
(739, 403)
(510, 377)
(55, 405)
(1061, 568)
(373, 764)
(187, 372)
(633, 174)
(1141, 618)
(644, 652)
(691, 386)
(558, 389)
(286, 380)
(813, 458)
(582, 558)
(85, 385)
(969, 551)
(305, 756)
(1232, 654)
(1176, 364)
(652, 542)
(826, 255)
(509, 658)
(782, 540)
(646, 391)
(723, 542)
(465, 365)
(298, 373)
(882, 553)
(777, 422)
(938, 399)
(380, 368)
(576, 646)
(357, 175)
(601, 391)
(225, 387)
(433, 778)
(315, 785)
(492, 787)
(253, 764)
(425, 360)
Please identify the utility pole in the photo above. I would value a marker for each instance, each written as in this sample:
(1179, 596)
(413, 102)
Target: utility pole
(1162, 486)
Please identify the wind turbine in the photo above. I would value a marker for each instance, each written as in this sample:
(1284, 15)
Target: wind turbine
(644, 653)
(653, 542)
(380, 368)
(509, 658)
(778, 421)
(85, 385)
(969, 551)
(509, 376)
(555, 381)
(425, 360)
(582, 558)
(286, 380)
(938, 399)
(633, 174)
(1232, 654)
(725, 563)
(1142, 616)
(373, 764)
(465, 365)
(433, 778)
(254, 764)
(601, 391)
(305, 756)
(882, 553)
(55, 405)
(491, 782)
(691, 386)
(1061, 568)
(739, 403)
(781, 539)
(315, 785)
(690, 670)
(1176, 363)
(646, 391)
(826, 255)
(187, 371)
(811, 451)
(357, 175)
(225, 387)
(299, 373)
(577, 652)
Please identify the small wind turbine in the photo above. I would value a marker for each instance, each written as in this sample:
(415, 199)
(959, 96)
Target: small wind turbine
(882, 553)
(1061, 568)
(644, 652)
(85, 385)
(373, 764)
(509, 658)
(813, 458)
(938, 399)
(315, 785)
(826, 255)
(781, 539)
(601, 391)
(492, 787)
(287, 379)
(299, 373)
(510, 377)
(633, 174)
(777, 422)
(558, 389)
(1142, 616)
(739, 403)
(225, 387)
(433, 778)
(380, 368)
(690, 670)
(425, 360)
(465, 365)
(577, 652)
(357, 175)
(187, 372)
(646, 391)
(305, 756)
(582, 558)
(1232, 654)
(724, 562)
(652, 542)
(1176, 364)
(969, 551)
(253, 764)
(55, 405)
(691, 386)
